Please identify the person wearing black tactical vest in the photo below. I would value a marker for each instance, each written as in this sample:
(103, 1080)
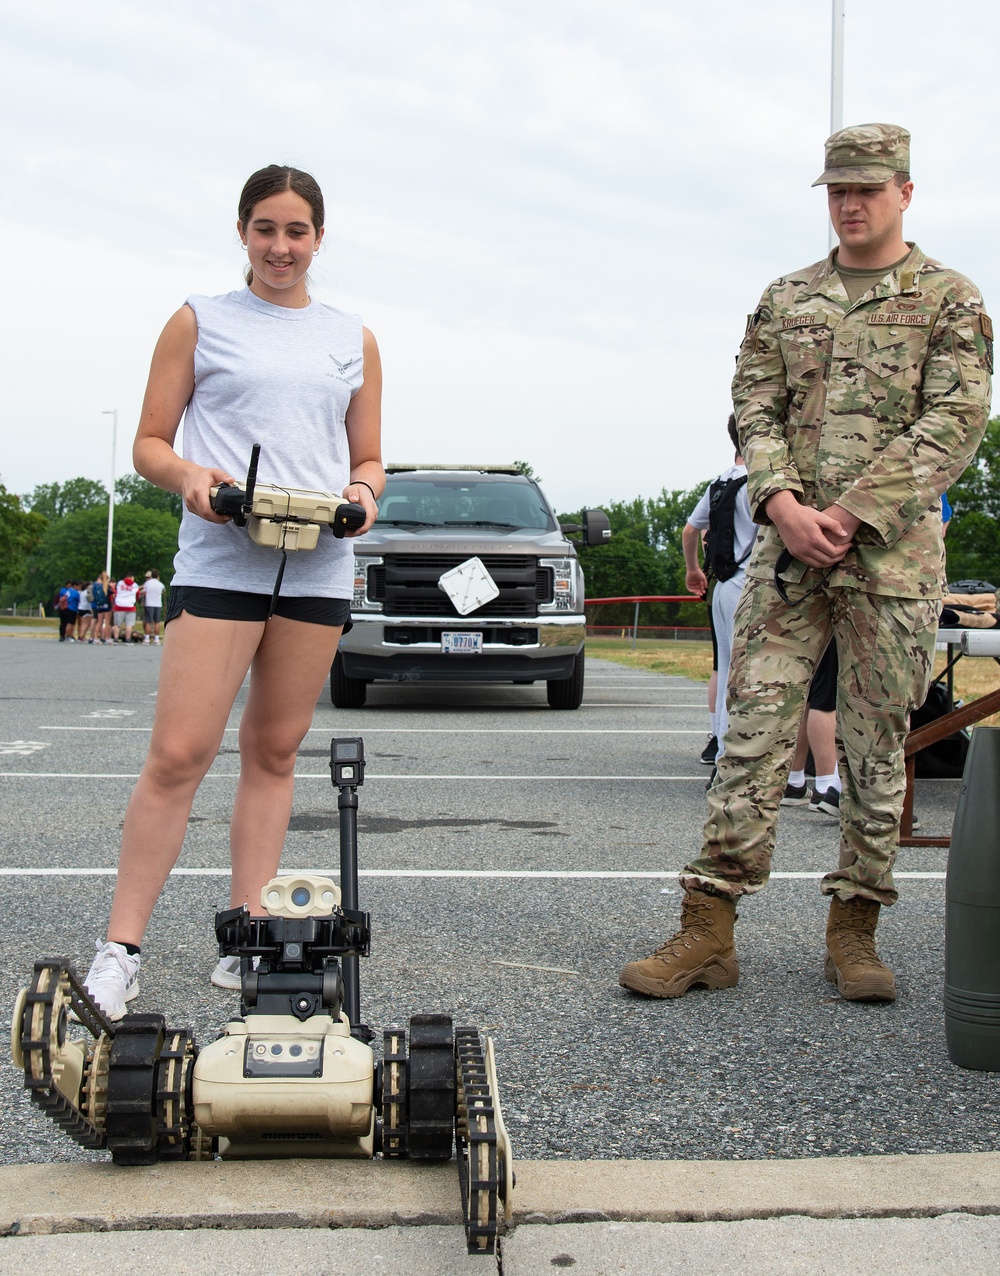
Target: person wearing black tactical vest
(723, 515)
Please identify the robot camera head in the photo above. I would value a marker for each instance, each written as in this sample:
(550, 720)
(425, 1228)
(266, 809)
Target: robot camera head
(301, 895)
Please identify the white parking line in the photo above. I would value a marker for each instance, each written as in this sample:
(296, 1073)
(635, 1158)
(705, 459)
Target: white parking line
(514, 874)
(312, 775)
(363, 729)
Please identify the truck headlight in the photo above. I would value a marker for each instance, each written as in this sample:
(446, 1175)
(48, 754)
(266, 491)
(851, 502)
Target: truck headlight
(564, 590)
(362, 599)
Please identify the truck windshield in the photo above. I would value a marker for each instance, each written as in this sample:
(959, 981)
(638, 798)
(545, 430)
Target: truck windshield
(457, 502)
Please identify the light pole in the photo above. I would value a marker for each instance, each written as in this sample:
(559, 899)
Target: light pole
(113, 413)
(837, 67)
(836, 81)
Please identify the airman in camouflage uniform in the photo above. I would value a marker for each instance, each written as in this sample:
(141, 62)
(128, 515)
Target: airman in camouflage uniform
(855, 413)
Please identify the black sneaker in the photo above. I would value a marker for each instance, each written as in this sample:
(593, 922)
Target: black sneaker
(828, 802)
(711, 778)
(709, 751)
(795, 795)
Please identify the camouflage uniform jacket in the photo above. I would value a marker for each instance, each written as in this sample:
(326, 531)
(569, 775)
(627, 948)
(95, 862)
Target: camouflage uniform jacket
(877, 406)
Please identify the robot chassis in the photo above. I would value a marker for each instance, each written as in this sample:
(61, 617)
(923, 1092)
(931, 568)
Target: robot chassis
(293, 1074)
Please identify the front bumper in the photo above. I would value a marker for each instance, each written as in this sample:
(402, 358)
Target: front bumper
(405, 649)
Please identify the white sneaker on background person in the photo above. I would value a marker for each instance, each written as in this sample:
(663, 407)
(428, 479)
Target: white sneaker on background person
(113, 979)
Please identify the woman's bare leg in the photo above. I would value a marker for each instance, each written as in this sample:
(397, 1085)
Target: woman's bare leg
(203, 668)
(286, 678)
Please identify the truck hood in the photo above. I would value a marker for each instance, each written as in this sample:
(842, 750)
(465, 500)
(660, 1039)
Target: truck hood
(466, 540)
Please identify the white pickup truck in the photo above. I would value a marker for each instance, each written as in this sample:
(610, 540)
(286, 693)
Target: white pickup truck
(466, 576)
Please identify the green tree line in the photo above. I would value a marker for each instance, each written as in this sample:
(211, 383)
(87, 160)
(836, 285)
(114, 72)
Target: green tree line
(645, 557)
(59, 532)
(973, 541)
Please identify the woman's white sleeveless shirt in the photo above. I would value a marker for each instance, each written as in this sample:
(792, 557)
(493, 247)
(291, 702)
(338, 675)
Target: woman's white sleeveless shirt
(282, 378)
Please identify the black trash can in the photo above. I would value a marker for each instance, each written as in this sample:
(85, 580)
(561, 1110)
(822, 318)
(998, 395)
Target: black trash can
(972, 926)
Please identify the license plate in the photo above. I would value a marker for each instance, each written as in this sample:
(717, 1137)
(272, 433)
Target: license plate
(463, 640)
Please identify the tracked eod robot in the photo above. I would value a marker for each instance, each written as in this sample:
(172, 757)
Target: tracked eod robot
(293, 1074)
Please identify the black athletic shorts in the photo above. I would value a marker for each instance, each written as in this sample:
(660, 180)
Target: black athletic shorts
(233, 604)
(823, 691)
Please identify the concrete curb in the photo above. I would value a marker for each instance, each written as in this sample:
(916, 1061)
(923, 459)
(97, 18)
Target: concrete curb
(100, 1197)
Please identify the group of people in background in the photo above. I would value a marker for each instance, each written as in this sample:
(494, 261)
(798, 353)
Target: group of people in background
(105, 611)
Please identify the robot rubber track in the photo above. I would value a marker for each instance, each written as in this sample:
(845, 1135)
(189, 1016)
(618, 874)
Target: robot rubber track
(485, 1169)
(151, 1067)
(40, 1024)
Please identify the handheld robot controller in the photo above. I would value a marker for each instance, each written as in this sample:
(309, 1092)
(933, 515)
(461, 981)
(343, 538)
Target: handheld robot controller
(288, 518)
(293, 1074)
(285, 518)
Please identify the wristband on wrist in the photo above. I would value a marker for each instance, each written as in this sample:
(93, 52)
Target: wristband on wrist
(369, 487)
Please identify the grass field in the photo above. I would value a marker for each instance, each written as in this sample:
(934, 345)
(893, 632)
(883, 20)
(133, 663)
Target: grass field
(29, 622)
(973, 678)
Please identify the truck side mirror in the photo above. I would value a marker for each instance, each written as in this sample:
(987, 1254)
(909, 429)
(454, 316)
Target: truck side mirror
(596, 527)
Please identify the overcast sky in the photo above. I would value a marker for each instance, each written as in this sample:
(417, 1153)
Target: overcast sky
(555, 215)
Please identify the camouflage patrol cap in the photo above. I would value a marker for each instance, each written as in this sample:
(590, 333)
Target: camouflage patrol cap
(867, 154)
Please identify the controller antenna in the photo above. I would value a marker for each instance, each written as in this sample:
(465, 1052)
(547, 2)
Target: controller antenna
(251, 478)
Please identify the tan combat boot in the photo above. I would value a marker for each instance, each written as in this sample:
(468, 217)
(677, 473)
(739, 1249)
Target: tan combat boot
(701, 952)
(852, 962)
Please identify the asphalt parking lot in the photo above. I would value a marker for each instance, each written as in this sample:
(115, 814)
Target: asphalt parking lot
(512, 859)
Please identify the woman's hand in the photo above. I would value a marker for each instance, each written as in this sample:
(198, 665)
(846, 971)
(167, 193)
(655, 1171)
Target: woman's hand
(196, 491)
(361, 494)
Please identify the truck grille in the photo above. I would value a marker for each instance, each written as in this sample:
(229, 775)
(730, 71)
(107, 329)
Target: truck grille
(407, 584)
(499, 635)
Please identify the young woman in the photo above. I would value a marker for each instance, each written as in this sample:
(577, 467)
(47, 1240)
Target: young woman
(268, 365)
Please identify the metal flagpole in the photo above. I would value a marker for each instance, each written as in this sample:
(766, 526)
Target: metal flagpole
(836, 81)
(837, 68)
(113, 413)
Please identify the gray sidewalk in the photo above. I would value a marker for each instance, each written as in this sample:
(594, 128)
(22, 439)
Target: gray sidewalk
(895, 1214)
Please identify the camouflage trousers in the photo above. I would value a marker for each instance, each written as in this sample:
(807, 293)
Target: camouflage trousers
(886, 652)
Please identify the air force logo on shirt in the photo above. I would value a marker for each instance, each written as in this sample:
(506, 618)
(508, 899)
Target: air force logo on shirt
(342, 373)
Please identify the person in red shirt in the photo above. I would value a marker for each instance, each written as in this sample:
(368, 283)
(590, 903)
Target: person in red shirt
(123, 616)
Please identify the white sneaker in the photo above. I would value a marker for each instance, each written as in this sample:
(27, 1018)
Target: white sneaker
(113, 979)
(227, 973)
(145, 640)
